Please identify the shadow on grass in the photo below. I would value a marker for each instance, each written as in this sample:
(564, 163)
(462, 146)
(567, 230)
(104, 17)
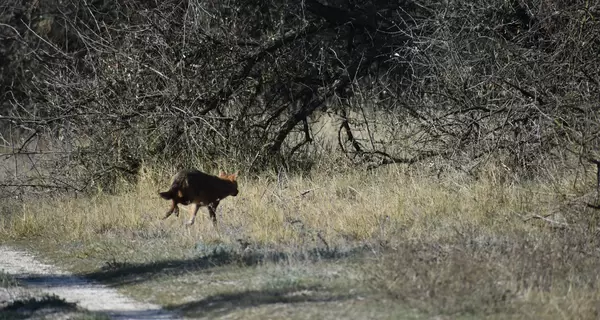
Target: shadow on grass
(208, 257)
(121, 273)
(223, 304)
(54, 307)
(46, 306)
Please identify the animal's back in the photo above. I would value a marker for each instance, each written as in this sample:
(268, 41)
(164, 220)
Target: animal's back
(193, 184)
(182, 177)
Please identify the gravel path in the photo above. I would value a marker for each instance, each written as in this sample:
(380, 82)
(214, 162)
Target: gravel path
(87, 294)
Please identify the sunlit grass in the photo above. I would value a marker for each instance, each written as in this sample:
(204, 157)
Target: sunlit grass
(275, 210)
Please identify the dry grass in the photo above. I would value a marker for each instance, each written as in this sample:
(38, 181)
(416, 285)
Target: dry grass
(278, 210)
(355, 242)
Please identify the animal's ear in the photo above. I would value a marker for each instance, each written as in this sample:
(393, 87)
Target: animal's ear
(222, 174)
(234, 175)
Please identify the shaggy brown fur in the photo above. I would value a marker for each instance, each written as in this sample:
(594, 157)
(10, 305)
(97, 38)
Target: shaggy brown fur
(200, 189)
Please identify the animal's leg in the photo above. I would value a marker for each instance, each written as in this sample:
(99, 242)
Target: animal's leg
(193, 212)
(212, 211)
(174, 208)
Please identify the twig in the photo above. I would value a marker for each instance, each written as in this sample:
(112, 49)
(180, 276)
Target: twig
(550, 221)
(11, 27)
(323, 240)
(303, 193)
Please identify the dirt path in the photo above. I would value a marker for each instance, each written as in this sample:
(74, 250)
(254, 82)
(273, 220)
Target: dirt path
(87, 294)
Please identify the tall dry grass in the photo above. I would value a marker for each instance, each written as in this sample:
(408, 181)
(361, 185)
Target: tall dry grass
(282, 209)
(272, 209)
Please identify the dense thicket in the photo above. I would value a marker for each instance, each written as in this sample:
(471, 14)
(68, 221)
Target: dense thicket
(110, 85)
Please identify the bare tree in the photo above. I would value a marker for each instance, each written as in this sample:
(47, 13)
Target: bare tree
(114, 84)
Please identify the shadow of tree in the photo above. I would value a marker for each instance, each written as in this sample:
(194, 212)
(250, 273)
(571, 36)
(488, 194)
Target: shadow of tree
(46, 305)
(123, 273)
(128, 273)
(118, 274)
(54, 307)
(223, 304)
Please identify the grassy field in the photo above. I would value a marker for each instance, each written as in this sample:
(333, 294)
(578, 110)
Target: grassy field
(391, 243)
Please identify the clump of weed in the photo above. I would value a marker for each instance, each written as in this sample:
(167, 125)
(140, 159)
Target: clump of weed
(219, 253)
(7, 280)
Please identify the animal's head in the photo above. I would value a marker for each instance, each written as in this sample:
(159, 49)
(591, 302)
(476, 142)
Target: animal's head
(231, 178)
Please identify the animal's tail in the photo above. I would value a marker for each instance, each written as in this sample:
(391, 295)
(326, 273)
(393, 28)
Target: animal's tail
(167, 195)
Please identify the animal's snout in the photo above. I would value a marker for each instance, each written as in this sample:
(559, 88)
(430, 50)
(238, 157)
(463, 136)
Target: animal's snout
(235, 193)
